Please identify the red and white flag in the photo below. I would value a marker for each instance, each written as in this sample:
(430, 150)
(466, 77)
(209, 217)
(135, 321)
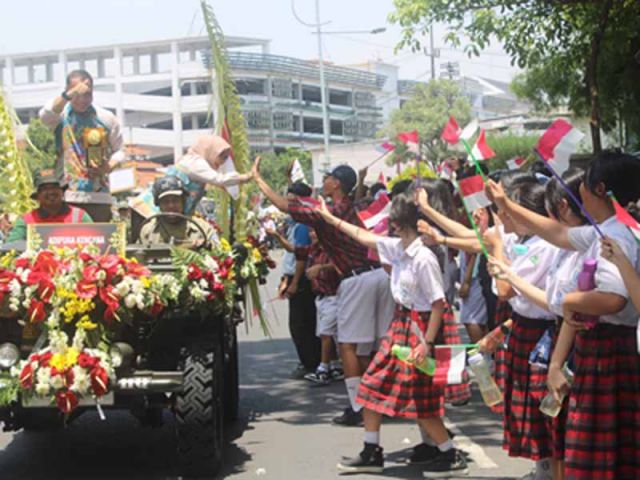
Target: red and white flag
(386, 147)
(411, 140)
(445, 171)
(376, 213)
(382, 179)
(472, 190)
(297, 174)
(481, 150)
(452, 132)
(557, 144)
(450, 365)
(625, 218)
(516, 163)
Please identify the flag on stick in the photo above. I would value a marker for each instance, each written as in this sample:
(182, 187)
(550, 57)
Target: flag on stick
(472, 190)
(297, 174)
(557, 144)
(450, 365)
(516, 163)
(481, 150)
(376, 213)
(625, 217)
(411, 140)
(385, 148)
(452, 132)
(382, 179)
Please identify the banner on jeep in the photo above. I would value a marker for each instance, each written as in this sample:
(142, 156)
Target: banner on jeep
(108, 237)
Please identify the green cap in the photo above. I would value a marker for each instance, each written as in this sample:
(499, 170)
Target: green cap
(46, 176)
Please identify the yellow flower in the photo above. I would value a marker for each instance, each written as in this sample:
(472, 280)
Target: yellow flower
(72, 357)
(86, 323)
(146, 283)
(257, 256)
(58, 361)
(225, 245)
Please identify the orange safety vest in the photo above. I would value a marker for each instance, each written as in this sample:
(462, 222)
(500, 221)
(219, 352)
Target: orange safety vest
(74, 215)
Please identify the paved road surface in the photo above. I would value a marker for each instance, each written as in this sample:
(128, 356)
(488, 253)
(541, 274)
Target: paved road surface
(283, 434)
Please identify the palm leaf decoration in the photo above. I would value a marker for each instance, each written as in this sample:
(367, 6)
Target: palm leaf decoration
(230, 123)
(16, 184)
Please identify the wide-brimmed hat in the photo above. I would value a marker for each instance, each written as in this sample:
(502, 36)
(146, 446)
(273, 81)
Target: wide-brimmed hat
(46, 176)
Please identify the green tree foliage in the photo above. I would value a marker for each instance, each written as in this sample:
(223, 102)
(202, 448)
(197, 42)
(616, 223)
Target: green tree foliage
(579, 50)
(275, 168)
(508, 146)
(427, 111)
(40, 137)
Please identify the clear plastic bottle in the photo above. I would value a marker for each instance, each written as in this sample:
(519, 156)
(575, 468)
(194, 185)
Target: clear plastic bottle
(490, 392)
(549, 406)
(428, 366)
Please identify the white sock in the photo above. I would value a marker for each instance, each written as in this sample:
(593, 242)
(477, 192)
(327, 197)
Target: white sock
(372, 437)
(352, 389)
(426, 438)
(446, 446)
(335, 364)
(543, 469)
(323, 367)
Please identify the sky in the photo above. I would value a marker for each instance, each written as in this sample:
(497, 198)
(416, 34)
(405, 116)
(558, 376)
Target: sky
(36, 25)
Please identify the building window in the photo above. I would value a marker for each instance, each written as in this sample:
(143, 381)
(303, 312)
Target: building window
(337, 127)
(257, 119)
(20, 74)
(91, 66)
(110, 69)
(340, 97)
(127, 65)
(282, 88)
(40, 73)
(311, 94)
(251, 86)
(283, 121)
(365, 100)
(312, 125)
(164, 62)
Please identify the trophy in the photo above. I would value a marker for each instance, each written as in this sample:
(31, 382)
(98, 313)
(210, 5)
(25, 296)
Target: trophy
(95, 146)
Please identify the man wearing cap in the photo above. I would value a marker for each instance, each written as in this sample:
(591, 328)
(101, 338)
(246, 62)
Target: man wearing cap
(365, 306)
(88, 137)
(169, 195)
(52, 207)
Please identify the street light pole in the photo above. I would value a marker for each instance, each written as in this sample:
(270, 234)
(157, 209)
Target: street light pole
(326, 124)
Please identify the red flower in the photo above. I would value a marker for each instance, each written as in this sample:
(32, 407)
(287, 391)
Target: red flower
(5, 279)
(44, 283)
(137, 270)
(90, 273)
(110, 314)
(86, 289)
(86, 257)
(156, 308)
(99, 381)
(68, 377)
(228, 262)
(26, 376)
(224, 273)
(109, 296)
(22, 263)
(46, 263)
(67, 401)
(110, 264)
(44, 359)
(87, 361)
(194, 272)
(36, 312)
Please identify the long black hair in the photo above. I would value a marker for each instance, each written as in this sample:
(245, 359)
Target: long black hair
(530, 195)
(404, 212)
(555, 193)
(619, 172)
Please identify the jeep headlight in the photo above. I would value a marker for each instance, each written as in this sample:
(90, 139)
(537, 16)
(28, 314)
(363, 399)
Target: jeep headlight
(9, 355)
(121, 355)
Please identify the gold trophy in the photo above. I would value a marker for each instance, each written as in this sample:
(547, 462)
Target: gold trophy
(95, 144)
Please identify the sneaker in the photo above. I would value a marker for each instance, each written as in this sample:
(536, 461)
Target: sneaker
(349, 418)
(423, 453)
(319, 377)
(336, 374)
(369, 460)
(299, 372)
(446, 464)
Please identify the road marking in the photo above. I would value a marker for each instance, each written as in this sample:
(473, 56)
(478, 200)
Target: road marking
(475, 451)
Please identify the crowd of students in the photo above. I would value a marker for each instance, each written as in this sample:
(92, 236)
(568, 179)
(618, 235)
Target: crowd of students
(520, 272)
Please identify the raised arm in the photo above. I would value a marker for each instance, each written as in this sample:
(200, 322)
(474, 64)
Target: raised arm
(449, 225)
(612, 252)
(501, 271)
(279, 201)
(360, 235)
(284, 243)
(469, 245)
(550, 230)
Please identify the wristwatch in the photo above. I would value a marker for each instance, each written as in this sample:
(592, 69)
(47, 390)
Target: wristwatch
(65, 96)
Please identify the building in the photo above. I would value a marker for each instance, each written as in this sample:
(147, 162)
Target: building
(161, 92)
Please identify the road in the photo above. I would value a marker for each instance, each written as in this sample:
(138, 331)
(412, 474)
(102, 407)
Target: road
(284, 431)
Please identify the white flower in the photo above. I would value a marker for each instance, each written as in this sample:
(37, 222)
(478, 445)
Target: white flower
(43, 375)
(79, 338)
(42, 389)
(130, 301)
(56, 382)
(58, 341)
(122, 289)
(15, 288)
(210, 263)
(81, 380)
(203, 283)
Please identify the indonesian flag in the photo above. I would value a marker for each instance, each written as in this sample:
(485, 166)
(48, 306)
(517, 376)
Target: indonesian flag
(516, 163)
(297, 174)
(450, 365)
(481, 150)
(452, 132)
(228, 166)
(625, 218)
(382, 179)
(445, 171)
(410, 139)
(557, 144)
(472, 190)
(386, 147)
(376, 213)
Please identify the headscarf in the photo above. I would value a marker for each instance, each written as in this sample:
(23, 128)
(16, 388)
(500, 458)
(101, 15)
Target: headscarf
(209, 147)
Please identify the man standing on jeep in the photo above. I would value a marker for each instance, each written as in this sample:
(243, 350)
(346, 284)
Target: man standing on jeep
(169, 195)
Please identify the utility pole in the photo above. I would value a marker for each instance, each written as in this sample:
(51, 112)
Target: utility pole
(433, 53)
(326, 124)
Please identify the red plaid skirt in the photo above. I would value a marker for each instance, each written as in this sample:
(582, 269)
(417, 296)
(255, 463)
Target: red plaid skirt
(527, 431)
(394, 388)
(462, 392)
(559, 423)
(603, 425)
(503, 313)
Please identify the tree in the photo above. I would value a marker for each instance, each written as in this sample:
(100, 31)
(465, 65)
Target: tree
(40, 137)
(571, 35)
(427, 111)
(508, 146)
(275, 168)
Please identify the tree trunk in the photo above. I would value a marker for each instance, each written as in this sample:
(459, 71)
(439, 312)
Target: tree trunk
(592, 76)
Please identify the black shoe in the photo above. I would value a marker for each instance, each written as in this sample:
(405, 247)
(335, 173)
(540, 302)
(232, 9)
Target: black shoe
(446, 464)
(423, 453)
(299, 372)
(370, 460)
(349, 418)
(319, 377)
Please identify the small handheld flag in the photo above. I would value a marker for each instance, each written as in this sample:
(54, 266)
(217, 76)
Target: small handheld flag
(472, 190)
(297, 174)
(481, 150)
(377, 212)
(516, 163)
(557, 144)
(625, 217)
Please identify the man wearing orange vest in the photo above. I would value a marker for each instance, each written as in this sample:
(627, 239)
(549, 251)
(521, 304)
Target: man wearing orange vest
(53, 209)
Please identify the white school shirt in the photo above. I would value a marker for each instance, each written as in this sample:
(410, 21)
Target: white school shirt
(533, 267)
(416, 279)
(562, 278)
(508, 242)
(608, 279)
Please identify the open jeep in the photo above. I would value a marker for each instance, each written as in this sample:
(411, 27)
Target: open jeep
(170, 344)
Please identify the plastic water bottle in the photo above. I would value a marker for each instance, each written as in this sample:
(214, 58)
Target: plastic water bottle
(428, 366)
(586, 282)
(490, 392)
(495, 338)
(549, 405)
